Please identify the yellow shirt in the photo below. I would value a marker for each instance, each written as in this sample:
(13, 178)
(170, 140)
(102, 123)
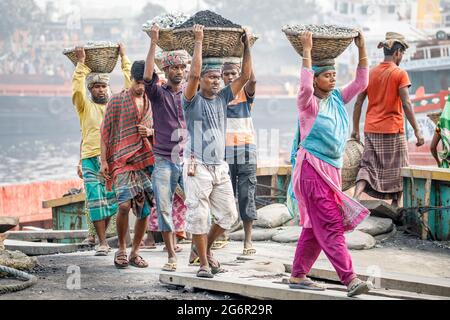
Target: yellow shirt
(90, 113)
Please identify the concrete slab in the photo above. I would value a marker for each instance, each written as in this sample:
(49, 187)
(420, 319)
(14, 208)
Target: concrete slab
(39, 248)
(47, 235)
(257, 289)
(7, 223)
(392, 281)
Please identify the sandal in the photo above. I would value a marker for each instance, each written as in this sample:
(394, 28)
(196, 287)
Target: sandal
(138, 262)
(215, 265)
(170, 267)
(102, 251)
(306, 284)
(205, 272)
(121, 260)
(178, 249)
(358, 288)
(219, 244)
(249, 252)
(195, 262)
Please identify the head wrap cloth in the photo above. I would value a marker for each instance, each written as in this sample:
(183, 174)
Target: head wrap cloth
(391, 39)
(94, 78)
(174, 58)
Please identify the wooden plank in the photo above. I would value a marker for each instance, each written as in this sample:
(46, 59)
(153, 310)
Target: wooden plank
(7, 223)
(39, 248)
(427, 204)
(426, 172)
(64, 201)
(257, 289)
(388, 280)
(47, 235)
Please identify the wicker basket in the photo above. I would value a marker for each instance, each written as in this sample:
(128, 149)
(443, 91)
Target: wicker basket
(435, 116)
(167, 40)
(352, 160)
(99, 60)
(217, 42)
(238, 51)
(324, 47)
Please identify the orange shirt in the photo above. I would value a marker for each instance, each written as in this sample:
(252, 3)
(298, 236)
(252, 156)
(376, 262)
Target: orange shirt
(385, 110)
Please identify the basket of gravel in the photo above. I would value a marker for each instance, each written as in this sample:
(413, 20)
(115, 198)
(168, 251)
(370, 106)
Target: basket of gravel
(166, 22)
(329, 41)
(101, 57)
(221, 37)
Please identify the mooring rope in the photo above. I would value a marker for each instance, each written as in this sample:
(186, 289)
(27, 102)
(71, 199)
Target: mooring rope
(30, 280)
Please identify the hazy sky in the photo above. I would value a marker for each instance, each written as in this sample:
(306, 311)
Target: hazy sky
(171, 5)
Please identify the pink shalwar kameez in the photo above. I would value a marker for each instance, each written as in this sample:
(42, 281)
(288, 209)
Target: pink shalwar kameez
(326, 213)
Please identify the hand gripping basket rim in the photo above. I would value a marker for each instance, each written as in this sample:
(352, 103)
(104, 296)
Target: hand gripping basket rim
(167, 41)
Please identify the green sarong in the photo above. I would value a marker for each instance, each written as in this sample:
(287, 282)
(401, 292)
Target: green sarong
(444, 131)
(100, 203)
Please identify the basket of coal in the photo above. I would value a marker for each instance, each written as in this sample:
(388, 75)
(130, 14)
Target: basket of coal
(221, 37)
(329, 41)
(101, 57)
(166, 23)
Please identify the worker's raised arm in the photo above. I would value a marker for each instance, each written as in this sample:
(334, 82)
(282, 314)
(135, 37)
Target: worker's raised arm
(247, 66)
(126, 66)
(150, 62)
(196, 66)
(79, 96)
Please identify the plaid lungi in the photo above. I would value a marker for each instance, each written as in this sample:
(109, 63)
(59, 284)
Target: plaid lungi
(384, 156)
(136, 186)
(100, 203)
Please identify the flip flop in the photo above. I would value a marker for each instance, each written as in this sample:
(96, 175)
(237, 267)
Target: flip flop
(205, 272)
(219, 244)
(195, 262)
(306, 285)
(170, 267)
(102, 251)
(178, 249)
(215, 265)
(249, 252)
(357, 289)
(147, 247)
(138, 262)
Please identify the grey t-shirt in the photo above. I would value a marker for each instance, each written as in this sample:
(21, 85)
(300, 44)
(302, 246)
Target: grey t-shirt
(206, 121)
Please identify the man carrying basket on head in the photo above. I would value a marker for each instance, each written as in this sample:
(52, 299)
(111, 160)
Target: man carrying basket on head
(325, 211)
(101, 204)
(206, 175)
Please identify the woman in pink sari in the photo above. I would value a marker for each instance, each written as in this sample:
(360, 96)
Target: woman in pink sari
(326, 213)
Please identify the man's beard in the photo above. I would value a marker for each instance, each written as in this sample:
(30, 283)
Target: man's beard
(99, 100)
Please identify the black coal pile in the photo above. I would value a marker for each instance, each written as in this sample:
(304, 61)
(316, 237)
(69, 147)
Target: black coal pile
(208, 19)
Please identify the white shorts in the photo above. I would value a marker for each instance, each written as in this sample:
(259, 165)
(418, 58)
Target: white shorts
(209, 192)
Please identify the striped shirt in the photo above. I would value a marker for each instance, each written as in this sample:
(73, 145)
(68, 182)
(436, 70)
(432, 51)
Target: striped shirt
(240, 130)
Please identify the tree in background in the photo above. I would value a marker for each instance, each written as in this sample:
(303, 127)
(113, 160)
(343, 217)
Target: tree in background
(17, 14)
